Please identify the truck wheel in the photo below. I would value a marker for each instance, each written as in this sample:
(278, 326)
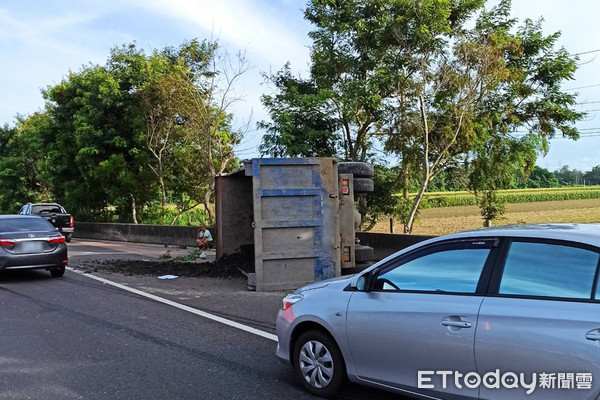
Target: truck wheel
(363, 185)
(319, 364)
(363, 253)
(58, 271)
(68, 237)
(358, 169)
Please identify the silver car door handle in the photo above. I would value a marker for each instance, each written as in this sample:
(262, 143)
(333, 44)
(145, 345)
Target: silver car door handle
(457, 324)
(593, 336)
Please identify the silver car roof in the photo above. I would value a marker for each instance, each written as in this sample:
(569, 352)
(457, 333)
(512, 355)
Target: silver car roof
(582, 233)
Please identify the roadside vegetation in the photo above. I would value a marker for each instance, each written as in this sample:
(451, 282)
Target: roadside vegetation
(140, 138)
(444, 220)
(440, 95)
(512, 196)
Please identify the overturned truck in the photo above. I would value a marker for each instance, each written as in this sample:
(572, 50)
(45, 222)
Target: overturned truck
(298, 214)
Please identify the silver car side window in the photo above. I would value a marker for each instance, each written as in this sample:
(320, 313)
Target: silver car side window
(455, 271)
(549, 270)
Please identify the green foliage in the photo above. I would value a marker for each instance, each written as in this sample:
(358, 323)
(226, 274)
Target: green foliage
(592, 177)
(382, 202)
(542, 178)
(568, 177)
(114, 139)
(491, 206)
(440, 83)
(155, 214)
(302, 122)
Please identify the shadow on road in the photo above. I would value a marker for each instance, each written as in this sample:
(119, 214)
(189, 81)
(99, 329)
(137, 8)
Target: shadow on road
(25, 276)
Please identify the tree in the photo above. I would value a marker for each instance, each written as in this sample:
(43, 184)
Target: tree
(343, 99)
(431, 78)
(96, 119)
(568, 177)
(22, 159)
(592, 177)
(542, 178)
(303, 122)
(213, 94)
(496, 163)
(490, 83)
(166, 106)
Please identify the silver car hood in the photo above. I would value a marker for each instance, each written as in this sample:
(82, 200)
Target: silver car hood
(322, 284)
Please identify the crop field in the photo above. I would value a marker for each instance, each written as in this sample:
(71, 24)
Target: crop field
(512, 196)
(444, 220)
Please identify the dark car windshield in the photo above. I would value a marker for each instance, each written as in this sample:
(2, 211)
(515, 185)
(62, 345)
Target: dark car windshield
(24, 225)
(46, 209)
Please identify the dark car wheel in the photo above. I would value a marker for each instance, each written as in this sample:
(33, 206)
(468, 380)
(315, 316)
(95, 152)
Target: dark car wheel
(68, 237)
(318, 364)
(57, 272)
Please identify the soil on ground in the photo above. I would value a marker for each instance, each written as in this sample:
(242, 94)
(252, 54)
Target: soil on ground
(227, 266)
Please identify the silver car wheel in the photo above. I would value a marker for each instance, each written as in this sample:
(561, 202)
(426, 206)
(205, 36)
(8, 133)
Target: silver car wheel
(316, 364)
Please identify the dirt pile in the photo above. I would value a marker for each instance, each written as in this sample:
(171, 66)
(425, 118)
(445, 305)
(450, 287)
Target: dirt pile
(226, 267)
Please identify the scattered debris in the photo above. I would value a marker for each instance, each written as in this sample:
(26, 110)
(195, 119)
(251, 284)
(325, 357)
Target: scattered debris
(168, 277)
(166, 256)
(230, 265)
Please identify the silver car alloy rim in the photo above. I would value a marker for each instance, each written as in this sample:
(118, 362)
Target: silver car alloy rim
(316, 364)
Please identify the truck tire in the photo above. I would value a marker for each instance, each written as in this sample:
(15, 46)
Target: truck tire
(363, 185)
(358, 169)
(68, 237)
(360, 267)
(363, 253)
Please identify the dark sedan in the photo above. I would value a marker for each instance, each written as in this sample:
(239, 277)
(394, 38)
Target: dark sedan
(31, 242)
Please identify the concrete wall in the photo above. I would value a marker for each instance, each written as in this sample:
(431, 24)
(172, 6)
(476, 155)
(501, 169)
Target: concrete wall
(383, 243)
(155, 234)
(386, 244)
(234, 213)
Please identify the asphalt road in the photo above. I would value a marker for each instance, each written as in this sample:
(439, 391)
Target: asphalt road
(76, 338)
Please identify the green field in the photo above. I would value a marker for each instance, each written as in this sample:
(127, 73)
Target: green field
(512, 196)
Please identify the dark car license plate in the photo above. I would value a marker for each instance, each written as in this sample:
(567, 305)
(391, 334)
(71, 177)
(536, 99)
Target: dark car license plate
(31, 247)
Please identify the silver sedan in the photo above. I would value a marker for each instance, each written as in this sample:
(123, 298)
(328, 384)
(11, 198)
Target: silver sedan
(501, 313)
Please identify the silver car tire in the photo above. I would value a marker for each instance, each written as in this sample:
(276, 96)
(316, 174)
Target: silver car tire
(318, 364)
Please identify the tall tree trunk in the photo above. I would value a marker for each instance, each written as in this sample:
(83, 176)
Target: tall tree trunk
(133, 209)
(207, 196)
(405, 180)
(362, 207)
(408, 227)
(163, 191)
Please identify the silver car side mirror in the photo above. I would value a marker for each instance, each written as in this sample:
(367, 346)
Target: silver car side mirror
(360, 283)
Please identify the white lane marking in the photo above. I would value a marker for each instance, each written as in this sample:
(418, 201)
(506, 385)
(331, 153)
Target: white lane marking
(183, 307)
(99, 253)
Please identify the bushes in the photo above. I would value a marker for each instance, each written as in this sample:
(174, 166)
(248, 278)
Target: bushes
(155, 215)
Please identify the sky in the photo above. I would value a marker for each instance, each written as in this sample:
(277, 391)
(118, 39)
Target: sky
(41, 41)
